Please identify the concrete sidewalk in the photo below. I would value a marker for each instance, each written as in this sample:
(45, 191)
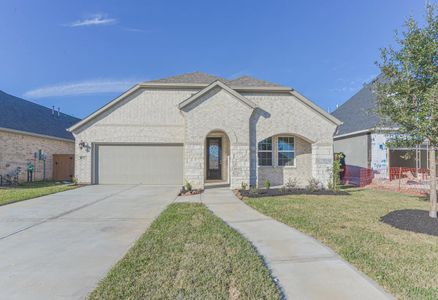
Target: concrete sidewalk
(305, 268)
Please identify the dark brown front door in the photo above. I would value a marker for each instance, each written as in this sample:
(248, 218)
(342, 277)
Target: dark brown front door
(214, 158)
(63, 166)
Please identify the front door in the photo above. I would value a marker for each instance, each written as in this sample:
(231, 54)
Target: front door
(214, 158)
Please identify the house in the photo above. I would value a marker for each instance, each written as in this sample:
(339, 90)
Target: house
(205, 130)
(31, 133)
(363, 136)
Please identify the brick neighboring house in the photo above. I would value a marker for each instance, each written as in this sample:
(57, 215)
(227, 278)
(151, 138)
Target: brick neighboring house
(206, 130)
(25, 129)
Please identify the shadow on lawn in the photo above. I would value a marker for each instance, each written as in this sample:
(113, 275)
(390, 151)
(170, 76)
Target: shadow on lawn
(414, 220)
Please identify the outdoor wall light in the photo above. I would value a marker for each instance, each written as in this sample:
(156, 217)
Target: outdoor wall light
(83, 145)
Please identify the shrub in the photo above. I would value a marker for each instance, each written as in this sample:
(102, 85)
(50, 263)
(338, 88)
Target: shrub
(267, 184)
(313, 185)
(74, 180)
(253, 190)
(188, 186)
(291, 183)
(283, 189)
(244, 185)
(335, 178)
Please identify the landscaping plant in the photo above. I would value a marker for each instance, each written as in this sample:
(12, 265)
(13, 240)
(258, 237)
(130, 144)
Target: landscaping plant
(267, 184)
(335, 182)
(407, 90)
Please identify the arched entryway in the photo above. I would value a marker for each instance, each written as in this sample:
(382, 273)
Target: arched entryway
(217, 157)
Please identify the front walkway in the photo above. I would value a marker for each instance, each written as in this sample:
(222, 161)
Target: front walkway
(305, 268)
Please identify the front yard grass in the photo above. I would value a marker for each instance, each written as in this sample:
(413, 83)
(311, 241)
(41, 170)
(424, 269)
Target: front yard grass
(31, 190)
(404, 263)
(188, 253)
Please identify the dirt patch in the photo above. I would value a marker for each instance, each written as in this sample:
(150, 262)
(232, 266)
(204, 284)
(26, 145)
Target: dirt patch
(414, 220)
(190, 193)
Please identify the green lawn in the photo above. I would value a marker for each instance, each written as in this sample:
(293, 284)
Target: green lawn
(31, 190)
(188, 253)
(404, 263)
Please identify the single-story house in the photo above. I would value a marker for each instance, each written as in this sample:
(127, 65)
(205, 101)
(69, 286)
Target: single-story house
(205, 130)
(31, 133)
(363, 137)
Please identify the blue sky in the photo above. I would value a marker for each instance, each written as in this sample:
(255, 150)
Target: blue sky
(78, 55)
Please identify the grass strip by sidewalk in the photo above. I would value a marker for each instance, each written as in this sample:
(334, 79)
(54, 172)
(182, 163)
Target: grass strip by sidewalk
(405, 263)
(31, 190)
(188, 253)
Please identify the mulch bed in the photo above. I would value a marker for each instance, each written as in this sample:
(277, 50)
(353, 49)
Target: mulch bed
(190, 193)
(414, 220)
(279, 192)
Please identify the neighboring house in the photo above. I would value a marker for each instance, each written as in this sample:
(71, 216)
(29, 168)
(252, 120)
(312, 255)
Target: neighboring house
(28, 129)
(205, 129)
(362, 137)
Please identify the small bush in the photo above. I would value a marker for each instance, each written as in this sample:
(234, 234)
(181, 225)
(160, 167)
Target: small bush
(313, 185)
(188, 186)
(291, 183)
(267, 184)
(74, 180)
(253, 190)
(244, 185)
(283, 190)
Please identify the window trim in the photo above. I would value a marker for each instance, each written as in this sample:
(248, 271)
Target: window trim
(266, 151)
(286, 151)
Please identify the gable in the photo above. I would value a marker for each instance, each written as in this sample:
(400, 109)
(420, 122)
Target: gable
(215, 87)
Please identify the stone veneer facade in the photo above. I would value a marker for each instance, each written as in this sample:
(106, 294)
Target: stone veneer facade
(17, 149)
(151, 115)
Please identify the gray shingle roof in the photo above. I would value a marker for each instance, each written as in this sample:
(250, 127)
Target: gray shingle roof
(204, 78)
(23, 115)
(358, 113)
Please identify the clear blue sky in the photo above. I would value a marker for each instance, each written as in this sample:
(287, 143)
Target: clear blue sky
(78, 55)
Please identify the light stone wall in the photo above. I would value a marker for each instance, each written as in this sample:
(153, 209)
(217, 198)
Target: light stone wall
(279, 175)
(152, 116)
(147, 116)
(217, 110)
(16, 150)
(284, 114)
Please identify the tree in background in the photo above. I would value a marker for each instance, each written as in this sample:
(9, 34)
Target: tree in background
(408, 87)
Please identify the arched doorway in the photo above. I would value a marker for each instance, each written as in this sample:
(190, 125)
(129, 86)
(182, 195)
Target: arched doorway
(217, 157)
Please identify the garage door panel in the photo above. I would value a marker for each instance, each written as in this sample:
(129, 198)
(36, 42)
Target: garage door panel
(139, 164)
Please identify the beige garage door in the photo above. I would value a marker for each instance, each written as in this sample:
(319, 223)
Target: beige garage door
(139, 164)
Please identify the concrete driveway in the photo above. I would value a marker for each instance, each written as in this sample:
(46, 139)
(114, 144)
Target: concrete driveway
(60, 246)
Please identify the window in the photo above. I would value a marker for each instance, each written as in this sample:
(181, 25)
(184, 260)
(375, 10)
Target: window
(265, 152)
(286, 151)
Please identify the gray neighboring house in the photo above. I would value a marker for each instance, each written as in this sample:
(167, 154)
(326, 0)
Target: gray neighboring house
(25, 129)
(206, 130)
(362, 138)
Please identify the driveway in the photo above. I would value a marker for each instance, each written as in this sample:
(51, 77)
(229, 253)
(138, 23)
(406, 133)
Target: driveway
(59, 246)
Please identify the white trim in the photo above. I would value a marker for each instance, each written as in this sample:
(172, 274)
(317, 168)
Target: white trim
(352, 133)
(36, 135)
(365, 131)
(315, 107)
(212, 86)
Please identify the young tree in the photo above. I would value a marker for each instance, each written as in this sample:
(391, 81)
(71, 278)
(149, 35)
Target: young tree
(407, 89)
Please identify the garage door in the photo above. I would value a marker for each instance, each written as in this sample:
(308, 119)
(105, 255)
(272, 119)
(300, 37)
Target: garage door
(139, 164)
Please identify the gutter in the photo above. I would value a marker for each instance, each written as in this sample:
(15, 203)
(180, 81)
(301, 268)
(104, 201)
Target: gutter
(36, 135)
